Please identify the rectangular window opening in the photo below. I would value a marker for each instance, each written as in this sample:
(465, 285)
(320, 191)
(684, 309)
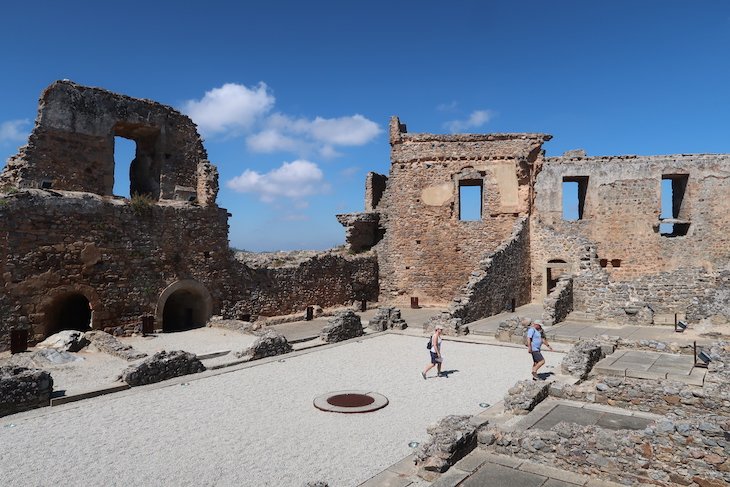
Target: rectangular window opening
(673, 215)
(574, 197)
(470, 200)
(124, 152)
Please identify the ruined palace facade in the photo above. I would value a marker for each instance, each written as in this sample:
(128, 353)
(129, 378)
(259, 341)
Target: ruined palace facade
(75, 256)
(619, 258)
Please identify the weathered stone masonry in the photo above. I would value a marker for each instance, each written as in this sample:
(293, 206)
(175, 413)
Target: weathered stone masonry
(626, 266)
(73, 256)
(427, 251)
(635, 266)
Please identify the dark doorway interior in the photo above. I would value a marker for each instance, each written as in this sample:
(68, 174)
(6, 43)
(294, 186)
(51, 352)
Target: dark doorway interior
(184, 310)
(69, 312)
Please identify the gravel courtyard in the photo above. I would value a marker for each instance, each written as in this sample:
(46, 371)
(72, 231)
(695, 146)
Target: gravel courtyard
(257, 426)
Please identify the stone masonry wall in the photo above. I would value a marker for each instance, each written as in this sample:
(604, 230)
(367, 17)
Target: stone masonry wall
(504, 275)
(281, 286)
(71, 146)
(119, 256)
(559, 303)
(427, 250)
(634, 263)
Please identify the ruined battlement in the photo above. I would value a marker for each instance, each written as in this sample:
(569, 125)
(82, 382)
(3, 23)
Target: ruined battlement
(422, 147)
(71, 147)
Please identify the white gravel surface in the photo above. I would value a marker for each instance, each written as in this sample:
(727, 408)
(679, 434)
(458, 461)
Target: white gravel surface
(257, 426)
(197, 341)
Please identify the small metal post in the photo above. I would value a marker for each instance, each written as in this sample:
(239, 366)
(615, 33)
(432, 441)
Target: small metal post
(364, 305)
(513, 305)
(18, 340)
(310, 313)
(148, 324)
(414, 302)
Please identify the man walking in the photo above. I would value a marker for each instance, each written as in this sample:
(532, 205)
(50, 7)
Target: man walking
(535, 339)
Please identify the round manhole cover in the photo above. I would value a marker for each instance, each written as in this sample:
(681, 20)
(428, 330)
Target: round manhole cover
(350, 402)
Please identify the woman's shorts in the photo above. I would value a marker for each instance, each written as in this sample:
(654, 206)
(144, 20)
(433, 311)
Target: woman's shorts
(537, 357)
(435, 358)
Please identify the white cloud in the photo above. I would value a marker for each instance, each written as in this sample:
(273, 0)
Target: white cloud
(14, 130)
(230, 109)
(447, 107)
(294, 180)
(475, 120)
(302, 135)
(271, 140)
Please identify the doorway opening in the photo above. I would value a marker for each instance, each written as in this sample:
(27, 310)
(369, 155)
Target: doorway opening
(184, 310)
(68, 312)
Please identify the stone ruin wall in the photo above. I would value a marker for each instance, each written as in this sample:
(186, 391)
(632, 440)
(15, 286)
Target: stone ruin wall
(326, 279)
(72, 237)
(681, 274)
(426, 250)
(120, 258)
(503, 276)
(71, 146)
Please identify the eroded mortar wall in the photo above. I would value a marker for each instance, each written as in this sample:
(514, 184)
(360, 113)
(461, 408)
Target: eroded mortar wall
(427, 251)
(118, 256)
(635, 265)
(329, 278)
(71, 146)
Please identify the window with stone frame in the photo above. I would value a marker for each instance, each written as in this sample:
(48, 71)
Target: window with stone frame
(471, 199)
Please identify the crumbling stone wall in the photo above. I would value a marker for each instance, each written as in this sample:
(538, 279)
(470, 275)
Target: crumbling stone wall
(71, 146)
(120, 258)
(559, 303)
(503, 276)
(635, 266)
(427, 251)
(282, 283)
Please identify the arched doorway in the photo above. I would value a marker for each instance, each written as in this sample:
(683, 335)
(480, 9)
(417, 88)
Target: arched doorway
(184, 305)
(71, 311)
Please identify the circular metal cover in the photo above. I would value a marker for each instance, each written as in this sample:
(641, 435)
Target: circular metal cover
(350, 401)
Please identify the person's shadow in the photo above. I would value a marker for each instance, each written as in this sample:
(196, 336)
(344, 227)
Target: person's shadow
(545, 375)
(446, 373)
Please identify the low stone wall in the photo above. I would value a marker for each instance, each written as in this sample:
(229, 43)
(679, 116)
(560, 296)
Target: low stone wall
(451, 326)
(286, 283)
(513, 329)
(22, 389)
(162, 366)
(672, 452)
(502, 276)
(559, 303)
(582, 356)
(452, 438)
(525, 395)
(387, 318)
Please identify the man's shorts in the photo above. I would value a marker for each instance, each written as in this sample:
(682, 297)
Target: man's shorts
(537, 356)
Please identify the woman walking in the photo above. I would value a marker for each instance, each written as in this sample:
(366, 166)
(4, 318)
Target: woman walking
(436, 358)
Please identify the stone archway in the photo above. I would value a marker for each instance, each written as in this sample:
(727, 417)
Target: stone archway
(68, 308)
(183, 305)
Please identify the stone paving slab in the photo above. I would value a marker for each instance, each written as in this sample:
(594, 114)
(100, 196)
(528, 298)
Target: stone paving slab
(386, 478)
(492, 474)
(451, 478)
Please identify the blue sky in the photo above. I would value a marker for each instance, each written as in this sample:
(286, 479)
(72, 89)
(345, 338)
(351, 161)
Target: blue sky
(293, 98)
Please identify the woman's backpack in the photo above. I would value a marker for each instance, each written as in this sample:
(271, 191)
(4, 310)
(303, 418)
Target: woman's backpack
(428, 345)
